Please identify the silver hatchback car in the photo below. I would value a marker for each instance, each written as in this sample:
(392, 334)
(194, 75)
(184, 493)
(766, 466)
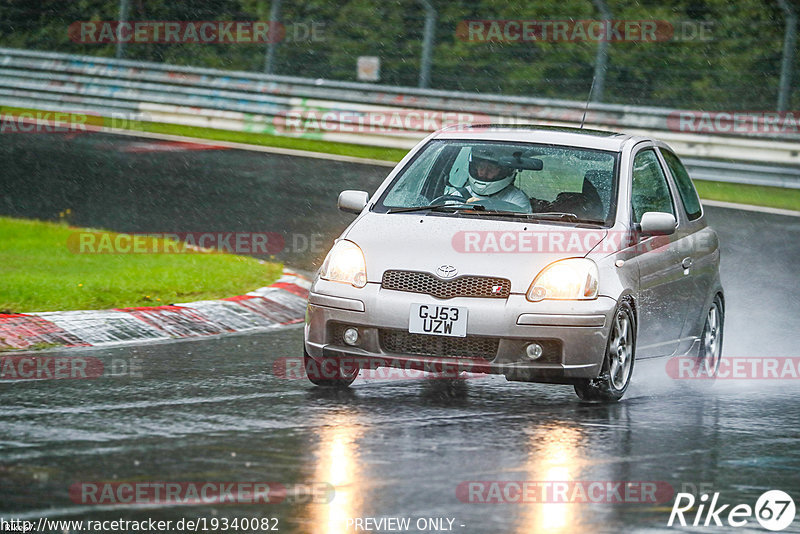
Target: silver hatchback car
(544, 254)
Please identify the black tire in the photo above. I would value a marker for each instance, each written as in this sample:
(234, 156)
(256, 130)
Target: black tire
(328, 372)
(710, 353)
(696, 373)
(615, 375)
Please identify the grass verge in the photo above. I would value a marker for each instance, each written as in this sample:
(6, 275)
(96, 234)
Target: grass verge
(775, 197)
(263, 139)
(38, 272)
(758, 195)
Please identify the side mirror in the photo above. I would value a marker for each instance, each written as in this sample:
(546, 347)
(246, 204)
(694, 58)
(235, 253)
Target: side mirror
(658, 223)
(353, 201)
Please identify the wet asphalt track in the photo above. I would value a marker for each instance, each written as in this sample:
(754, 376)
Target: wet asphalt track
(214, 409)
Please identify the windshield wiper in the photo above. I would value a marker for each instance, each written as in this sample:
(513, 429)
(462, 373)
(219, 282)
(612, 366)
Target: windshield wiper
(557, 215)
(439, 207)
(569, 217)
(546, 216)
(504, 213)
(480, 209)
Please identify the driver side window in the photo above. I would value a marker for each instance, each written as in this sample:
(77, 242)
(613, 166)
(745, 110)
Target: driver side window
(650, 191)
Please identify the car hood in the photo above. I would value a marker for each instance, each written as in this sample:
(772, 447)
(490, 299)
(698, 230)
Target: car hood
(516, 250)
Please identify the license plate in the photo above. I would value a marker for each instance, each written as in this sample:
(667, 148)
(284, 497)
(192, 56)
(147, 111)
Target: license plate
(438, 320)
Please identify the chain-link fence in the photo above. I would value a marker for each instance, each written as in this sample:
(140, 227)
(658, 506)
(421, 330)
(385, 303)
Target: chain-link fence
(693, 54)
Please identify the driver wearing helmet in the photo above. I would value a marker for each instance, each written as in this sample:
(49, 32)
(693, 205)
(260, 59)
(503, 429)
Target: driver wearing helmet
(489, 178)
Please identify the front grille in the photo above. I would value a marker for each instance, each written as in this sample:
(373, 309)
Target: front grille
(463, 286)
(402, 342)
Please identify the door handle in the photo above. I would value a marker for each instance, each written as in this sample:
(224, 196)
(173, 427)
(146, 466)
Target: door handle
(686, 263)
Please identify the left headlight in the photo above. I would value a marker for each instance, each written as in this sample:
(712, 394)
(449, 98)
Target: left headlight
(570, 279)
(345, 263)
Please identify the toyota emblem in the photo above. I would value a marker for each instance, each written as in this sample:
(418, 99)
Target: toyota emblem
(446, 271)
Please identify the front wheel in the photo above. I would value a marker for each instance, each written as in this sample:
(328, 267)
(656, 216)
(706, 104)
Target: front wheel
(617, 369)
(329, 372)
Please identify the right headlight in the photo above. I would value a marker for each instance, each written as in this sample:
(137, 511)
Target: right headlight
(345, 263)
(570, 279)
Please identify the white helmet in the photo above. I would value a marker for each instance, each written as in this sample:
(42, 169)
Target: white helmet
(483, 185)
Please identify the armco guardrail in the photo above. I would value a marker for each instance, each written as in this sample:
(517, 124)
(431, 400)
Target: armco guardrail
(246, 101)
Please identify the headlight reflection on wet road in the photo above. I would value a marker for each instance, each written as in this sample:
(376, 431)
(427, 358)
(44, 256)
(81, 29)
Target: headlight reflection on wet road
(337, 464)
(554, 455)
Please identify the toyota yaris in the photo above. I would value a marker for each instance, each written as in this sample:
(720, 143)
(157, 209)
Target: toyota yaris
(543, 254)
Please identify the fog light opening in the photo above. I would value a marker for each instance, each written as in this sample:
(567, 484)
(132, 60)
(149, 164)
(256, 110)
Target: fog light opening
(538, 293)
(350, 336)
(534, 351)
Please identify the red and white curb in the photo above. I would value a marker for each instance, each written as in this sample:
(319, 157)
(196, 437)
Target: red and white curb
(280, 304)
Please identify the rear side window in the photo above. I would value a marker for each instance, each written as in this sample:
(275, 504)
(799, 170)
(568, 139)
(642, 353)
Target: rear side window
(686, 189)
(650, 191)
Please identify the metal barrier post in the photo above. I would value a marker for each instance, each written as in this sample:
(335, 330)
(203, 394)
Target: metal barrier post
(789, 45)
(274, 15)
(427, 43)
(123, 17)
(601, 58)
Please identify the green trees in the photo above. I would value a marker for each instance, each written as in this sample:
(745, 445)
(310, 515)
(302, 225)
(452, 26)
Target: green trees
(720, 55)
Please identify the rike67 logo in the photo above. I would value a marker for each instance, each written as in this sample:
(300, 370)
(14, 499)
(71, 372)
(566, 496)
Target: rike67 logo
(774, 510)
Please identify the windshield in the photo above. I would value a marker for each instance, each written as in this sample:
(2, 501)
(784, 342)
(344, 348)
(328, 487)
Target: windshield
(512, 178)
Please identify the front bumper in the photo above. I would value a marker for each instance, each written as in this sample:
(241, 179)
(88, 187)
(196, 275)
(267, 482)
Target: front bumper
(573, 333)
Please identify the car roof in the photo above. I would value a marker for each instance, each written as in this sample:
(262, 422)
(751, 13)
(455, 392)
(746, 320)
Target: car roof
(534, 133)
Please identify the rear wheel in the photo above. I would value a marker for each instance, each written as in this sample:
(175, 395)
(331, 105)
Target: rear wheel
(329, 372)
(617, 369)
(711, 339)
